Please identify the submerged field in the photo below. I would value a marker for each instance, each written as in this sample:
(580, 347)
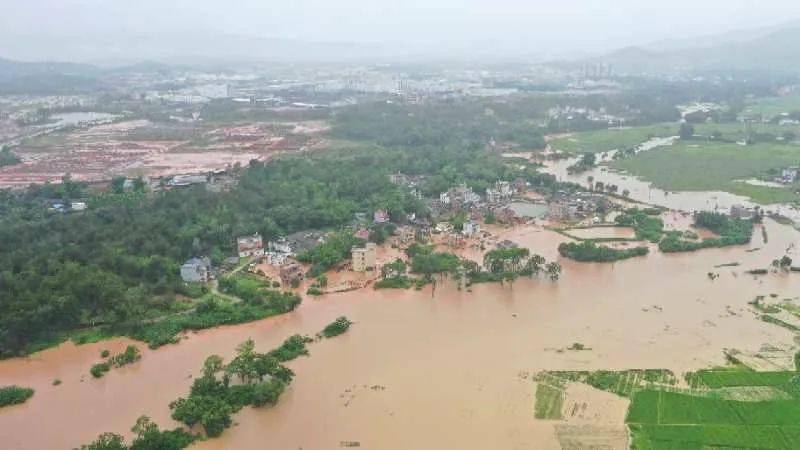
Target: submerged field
(600, 141)
(708, 166)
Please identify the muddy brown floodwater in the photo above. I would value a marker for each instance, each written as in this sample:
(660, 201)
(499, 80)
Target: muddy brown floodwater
(428, 371)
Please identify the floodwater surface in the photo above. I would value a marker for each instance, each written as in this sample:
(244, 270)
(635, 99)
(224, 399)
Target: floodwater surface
(428, 369)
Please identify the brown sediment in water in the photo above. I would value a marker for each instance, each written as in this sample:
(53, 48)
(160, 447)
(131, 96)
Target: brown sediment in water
(426, 371)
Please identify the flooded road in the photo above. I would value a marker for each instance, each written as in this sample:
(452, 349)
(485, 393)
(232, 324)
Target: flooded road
(427, 370)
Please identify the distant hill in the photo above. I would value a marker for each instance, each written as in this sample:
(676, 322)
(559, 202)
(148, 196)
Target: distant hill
(13, 69)
(775, 50)
(46, 78)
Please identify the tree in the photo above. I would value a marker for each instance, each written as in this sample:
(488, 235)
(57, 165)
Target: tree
(686, 131)
(535, 263)
(149, 437)
(267, 392)
(118, 185)
(107, 441)
(553, 270)
(394, 269)
(244, 364)
(211, 412)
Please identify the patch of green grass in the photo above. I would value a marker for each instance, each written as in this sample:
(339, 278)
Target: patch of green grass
(769, 107)
(714, 378)
(669, 420)
(13, 395)
(736, 131)
(711, 166)
(657, 407)
(549, 401)
(600, 141)
(706, 437)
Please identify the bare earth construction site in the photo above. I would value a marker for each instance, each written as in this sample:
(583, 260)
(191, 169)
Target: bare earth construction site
(129, 148)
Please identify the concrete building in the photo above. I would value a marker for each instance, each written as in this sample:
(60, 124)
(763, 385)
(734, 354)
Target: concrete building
(500, 192)
(196, 270)
(471, 228)
(364, 258)
(250, 246)
(740, 211)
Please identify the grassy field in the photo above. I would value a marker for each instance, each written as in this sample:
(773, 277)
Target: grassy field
(715, 379)
(738, 131)
(549, 401)
(599, 141)
(710, 418)
(769, 107)
(708, 166)
(667, 420)
(604, 140)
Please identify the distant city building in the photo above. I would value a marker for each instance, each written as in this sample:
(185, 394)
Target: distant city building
(364, 258)
(196, 270)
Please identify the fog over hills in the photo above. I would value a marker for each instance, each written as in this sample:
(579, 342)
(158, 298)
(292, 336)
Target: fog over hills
(776, 49)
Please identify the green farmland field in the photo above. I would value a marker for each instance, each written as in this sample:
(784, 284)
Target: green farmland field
(769, 107)
(709, 166)
(604, 140)
(715, 379)
(676, 421)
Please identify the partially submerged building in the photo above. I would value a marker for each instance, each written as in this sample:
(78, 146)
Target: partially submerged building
(364, 257)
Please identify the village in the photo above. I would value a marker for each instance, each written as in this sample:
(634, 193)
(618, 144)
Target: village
(460, 222)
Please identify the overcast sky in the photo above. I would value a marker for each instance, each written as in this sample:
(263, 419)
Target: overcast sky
(537, 26)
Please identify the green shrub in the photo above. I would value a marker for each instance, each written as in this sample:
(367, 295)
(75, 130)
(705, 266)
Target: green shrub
(100, 369)
(588, 251)
(12, 395)
(337, 327)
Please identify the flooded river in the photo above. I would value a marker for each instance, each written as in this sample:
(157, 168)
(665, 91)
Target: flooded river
(643, 191)
(427, 370)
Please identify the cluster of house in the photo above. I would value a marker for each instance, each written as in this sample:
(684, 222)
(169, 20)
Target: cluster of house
(61, 206)
(411, 182)
(567, 207)
(463, 197)
(214, 181)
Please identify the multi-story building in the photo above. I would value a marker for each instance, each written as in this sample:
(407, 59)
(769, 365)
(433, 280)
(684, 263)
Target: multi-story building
(364, 258)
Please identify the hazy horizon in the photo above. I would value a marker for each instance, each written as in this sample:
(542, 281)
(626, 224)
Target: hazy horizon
(96, 30)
